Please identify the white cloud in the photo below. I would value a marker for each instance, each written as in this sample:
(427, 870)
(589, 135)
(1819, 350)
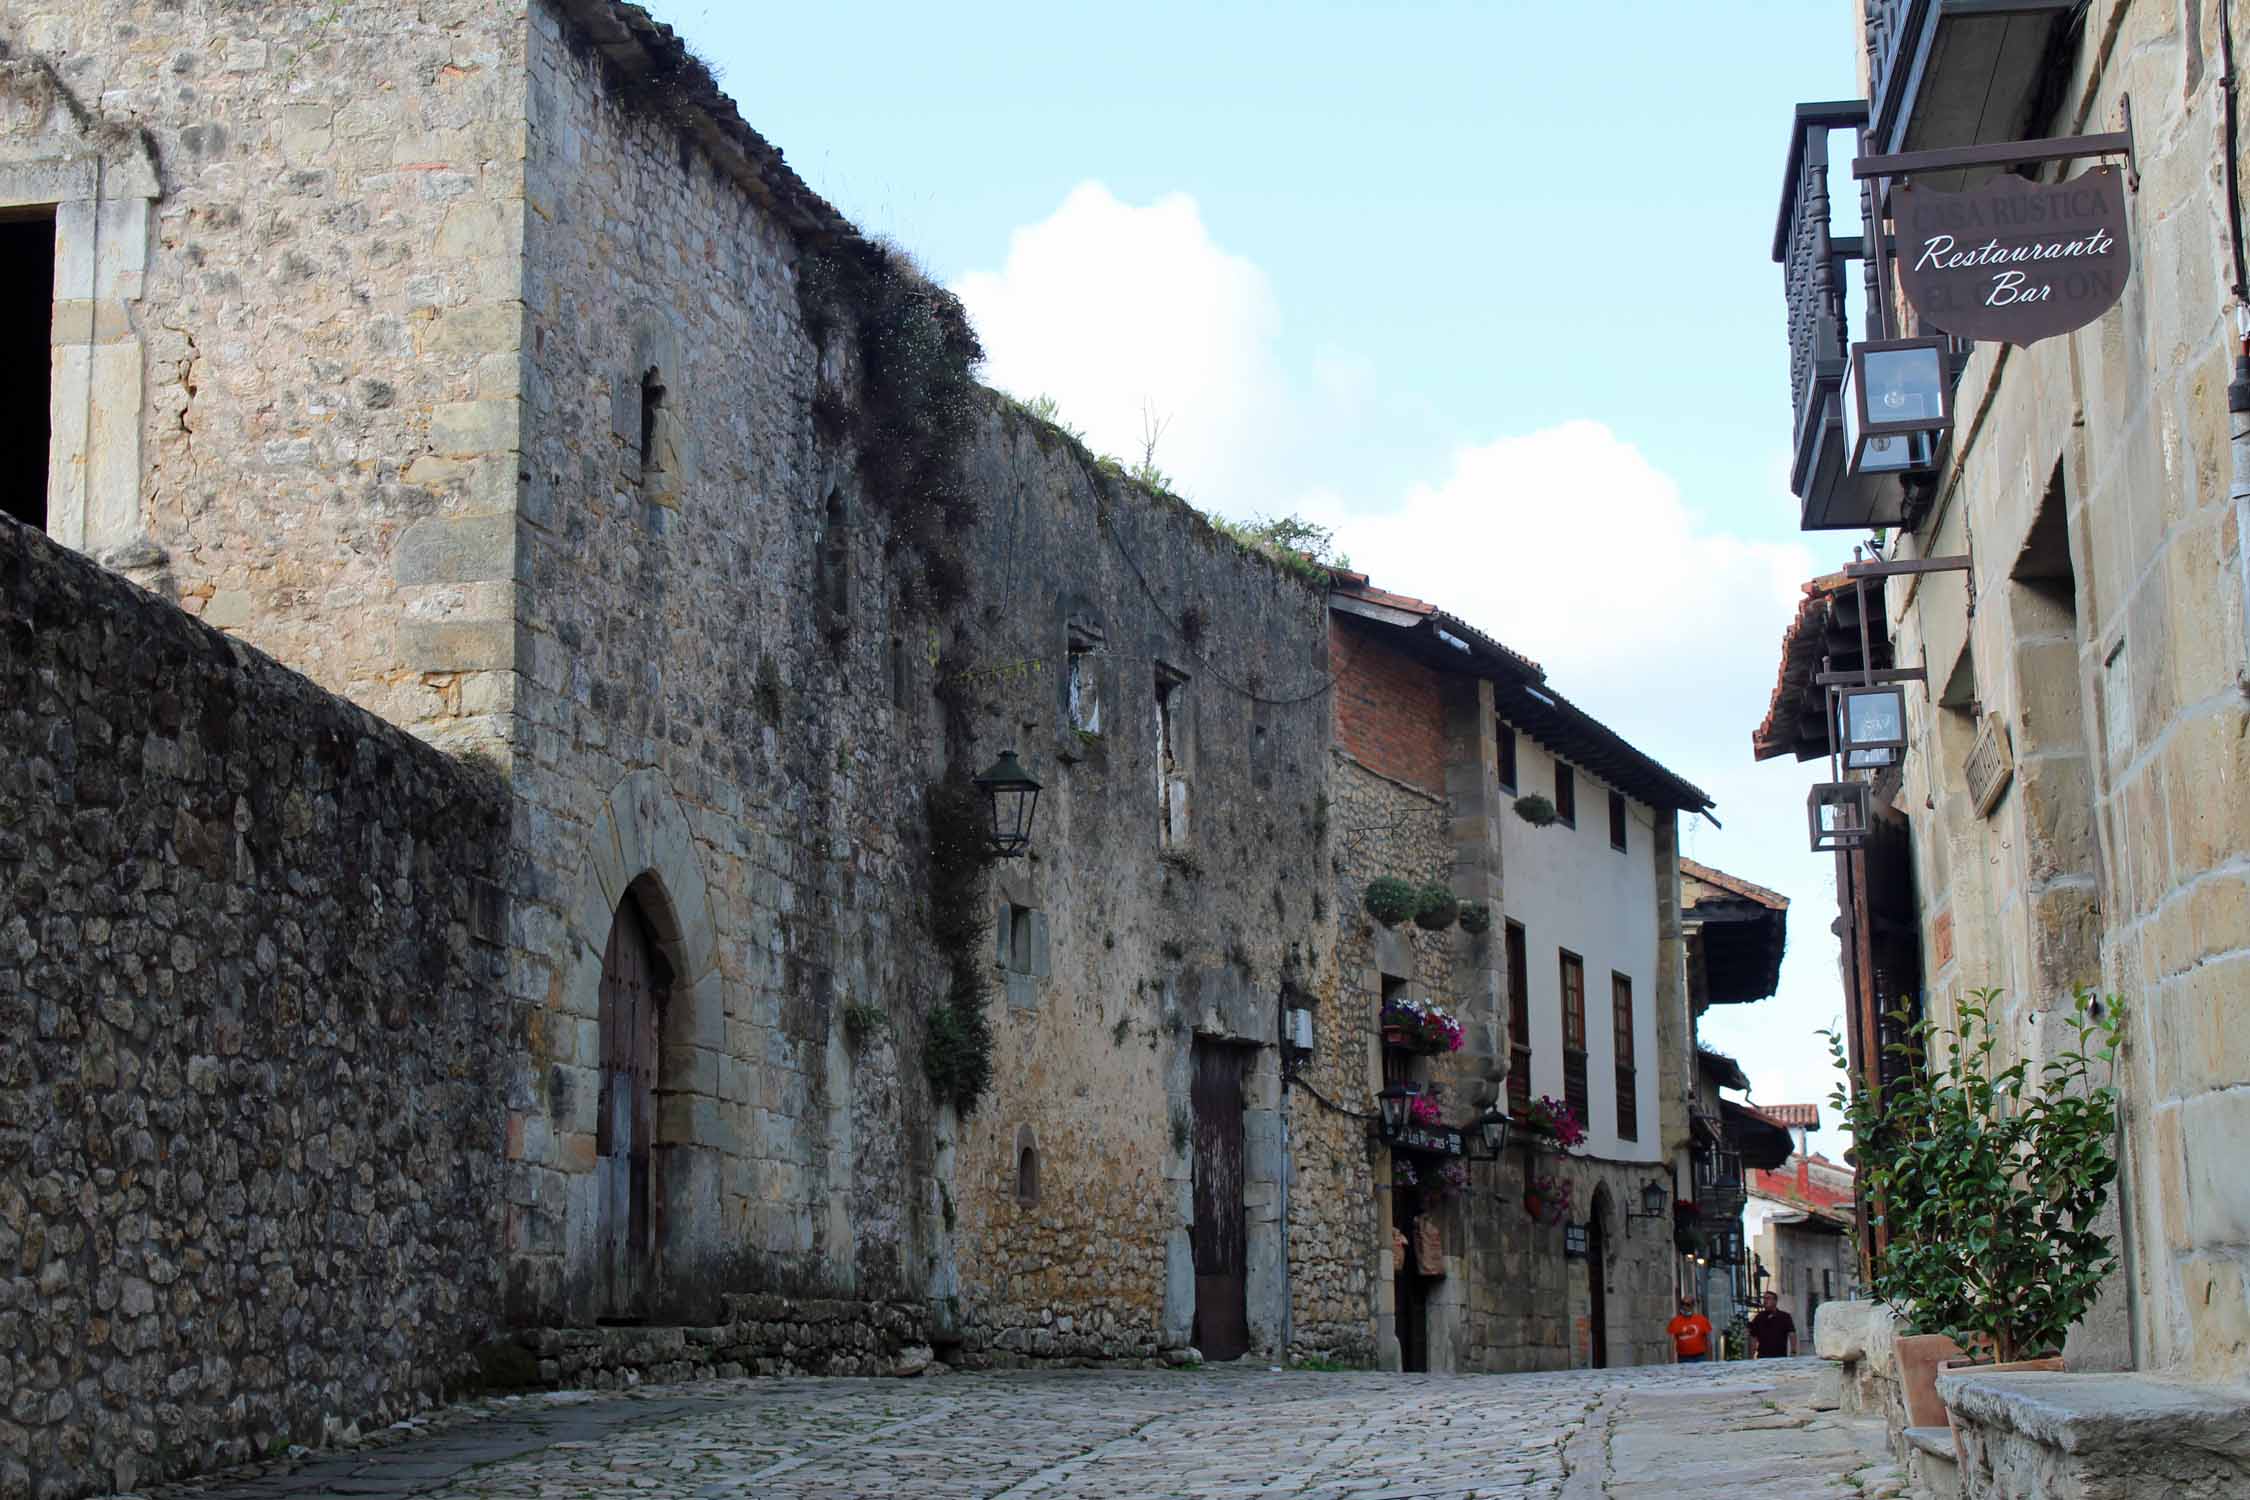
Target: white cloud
(1119, 311)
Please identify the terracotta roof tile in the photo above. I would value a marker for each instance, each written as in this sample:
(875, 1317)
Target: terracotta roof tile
(1733, 883)
(1805, 1115)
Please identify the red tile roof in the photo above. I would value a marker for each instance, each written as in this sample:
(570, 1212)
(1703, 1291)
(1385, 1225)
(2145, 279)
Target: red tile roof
(1805, 1115)
(1734, 884)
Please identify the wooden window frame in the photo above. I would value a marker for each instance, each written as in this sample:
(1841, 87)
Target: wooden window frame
(1572, 969)
(1504, 758)
(1566, 795)
(1620, 821)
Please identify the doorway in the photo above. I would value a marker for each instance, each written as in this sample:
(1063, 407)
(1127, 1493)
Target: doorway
(1220, 1237)
(27, 267)
(636, 983)
(1597, 1279)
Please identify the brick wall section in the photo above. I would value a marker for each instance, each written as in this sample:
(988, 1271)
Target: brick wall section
(1390, 711)
(249, 1132)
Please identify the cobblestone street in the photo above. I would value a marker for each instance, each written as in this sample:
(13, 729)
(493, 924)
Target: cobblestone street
(1742, 1431)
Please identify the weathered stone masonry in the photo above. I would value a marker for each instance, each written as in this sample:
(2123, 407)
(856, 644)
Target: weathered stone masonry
(249, 1040)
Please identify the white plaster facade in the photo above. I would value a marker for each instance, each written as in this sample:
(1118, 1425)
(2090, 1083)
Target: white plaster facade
(1571, 889)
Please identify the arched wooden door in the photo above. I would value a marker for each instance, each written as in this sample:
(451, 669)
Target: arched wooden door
(634, 981)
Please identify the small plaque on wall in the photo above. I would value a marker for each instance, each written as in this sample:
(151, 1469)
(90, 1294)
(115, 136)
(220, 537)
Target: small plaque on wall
(1991, 766)
(1574, 1241)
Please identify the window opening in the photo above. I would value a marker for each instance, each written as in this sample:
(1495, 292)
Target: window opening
(1574, 1032)
(1027, 1177)
(1519, 1018)
(27, 264)
(1171, 780)
(1566, 796)
(1628, 1095)
(652, 400)
(1019, 938)
(1397, 1062)
(1616, 820)
(833, 563)
(1084, 682)
(1505, 739)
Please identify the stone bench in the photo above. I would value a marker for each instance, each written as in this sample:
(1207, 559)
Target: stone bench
(2049, 1436)
(1930, 1463)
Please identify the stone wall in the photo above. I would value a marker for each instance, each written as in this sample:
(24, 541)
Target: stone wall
(2089, 481)
(289, 299)
(693, 728)
(249, 1034)
(1155, 933)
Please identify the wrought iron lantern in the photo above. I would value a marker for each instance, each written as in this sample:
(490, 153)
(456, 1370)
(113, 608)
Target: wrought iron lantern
(1655, 1200)
(1397, 1104)
(1010, 798)
(1838, 814)
(1897, 402)
(1490, 1131)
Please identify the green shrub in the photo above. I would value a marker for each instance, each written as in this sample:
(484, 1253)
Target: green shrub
(1476, 917)
(1989, 1181)
(1391, 900)
(1436, 907)
(1536, 810)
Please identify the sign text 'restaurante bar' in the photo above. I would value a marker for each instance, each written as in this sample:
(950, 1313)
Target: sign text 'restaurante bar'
(2013, 260)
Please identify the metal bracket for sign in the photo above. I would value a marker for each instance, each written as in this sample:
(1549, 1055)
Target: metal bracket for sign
(2012, 153)
(1870, 679)
(1883, 568)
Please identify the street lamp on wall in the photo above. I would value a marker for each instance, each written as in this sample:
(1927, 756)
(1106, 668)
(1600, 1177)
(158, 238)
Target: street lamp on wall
(1897, 404)
(1397, 1103)
(1011, 797)
(1489, 1132)
(1838, 814)
(1655, 1201)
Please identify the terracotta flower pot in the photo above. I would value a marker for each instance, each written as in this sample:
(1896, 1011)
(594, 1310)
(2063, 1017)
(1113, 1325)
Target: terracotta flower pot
(1918, 1356)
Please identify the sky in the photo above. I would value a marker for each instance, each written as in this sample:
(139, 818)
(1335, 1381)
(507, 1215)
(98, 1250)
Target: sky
(1487, 288)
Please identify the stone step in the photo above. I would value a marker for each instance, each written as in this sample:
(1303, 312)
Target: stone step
(1931, 1463)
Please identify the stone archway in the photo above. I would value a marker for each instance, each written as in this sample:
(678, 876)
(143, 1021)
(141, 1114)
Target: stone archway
(642, 915)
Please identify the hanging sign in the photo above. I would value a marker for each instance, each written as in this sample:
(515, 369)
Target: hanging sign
(2014, 261)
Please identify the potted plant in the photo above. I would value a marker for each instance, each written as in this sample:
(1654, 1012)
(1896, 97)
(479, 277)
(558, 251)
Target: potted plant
(1390, 900)
(1546, 1200)
(1555, 1120)
(1988, 1177)
(1436, 908)
(1476, 917)
(1536, 810)
(1420, 1026)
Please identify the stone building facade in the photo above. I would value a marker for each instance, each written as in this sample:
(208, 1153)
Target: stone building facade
(2068, 810)
(533, 405)
(1438, 731)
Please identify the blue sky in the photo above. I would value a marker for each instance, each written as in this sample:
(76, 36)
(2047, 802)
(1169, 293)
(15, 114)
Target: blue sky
(1487, 287)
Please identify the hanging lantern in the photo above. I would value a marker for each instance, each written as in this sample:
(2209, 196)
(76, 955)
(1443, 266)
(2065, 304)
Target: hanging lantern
(1010, 799)
(1897, 404)
(1397, 1104)
(1838, 812)
(1491, 1131)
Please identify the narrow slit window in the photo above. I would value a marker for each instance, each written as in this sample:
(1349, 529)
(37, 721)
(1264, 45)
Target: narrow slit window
(1566, 796)
(652, 404)
(1505, 739)
(1616, 820)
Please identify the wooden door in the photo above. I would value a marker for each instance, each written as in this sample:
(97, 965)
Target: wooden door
(1220, 1236)
(631, 990)
(1597, 1290)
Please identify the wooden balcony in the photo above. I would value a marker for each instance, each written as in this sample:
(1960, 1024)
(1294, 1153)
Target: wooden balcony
(1964, 73)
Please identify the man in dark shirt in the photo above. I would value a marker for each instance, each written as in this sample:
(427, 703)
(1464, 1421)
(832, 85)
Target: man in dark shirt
(1773, 1333)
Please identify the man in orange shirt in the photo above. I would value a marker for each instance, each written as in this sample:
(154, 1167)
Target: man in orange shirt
(1691, 1334)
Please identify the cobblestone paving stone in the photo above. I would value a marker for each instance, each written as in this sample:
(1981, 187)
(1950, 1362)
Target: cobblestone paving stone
(1739, 1431)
